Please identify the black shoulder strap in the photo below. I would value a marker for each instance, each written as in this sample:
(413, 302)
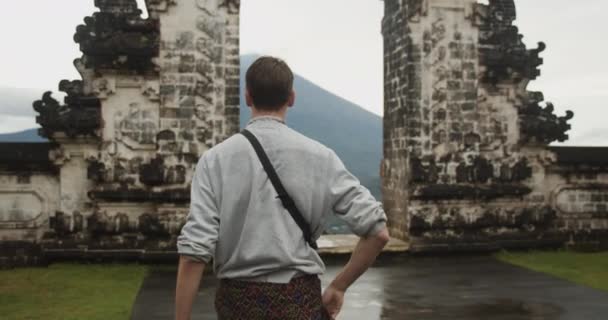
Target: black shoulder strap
(287, 201)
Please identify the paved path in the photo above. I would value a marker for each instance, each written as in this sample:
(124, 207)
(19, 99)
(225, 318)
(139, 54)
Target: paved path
(402, 287)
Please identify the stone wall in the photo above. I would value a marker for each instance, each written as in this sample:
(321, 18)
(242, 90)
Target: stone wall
(466, 158)
(578, 182)
(29, 191)
(400, 93)
(29, 194)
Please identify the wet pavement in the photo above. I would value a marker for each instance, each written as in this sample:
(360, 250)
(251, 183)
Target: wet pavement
(401, 287)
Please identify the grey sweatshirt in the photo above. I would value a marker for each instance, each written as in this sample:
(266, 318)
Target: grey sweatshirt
(237, 220)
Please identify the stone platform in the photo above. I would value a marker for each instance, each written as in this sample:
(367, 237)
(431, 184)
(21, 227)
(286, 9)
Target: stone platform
(345, 243)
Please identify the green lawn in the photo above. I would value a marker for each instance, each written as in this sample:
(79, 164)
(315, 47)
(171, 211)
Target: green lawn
(70, 291)
(590, 269)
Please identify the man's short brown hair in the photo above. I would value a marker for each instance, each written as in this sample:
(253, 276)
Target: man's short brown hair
(269, 81)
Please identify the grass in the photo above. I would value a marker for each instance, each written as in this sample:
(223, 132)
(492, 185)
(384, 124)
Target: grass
(70, 292)
(589, 269)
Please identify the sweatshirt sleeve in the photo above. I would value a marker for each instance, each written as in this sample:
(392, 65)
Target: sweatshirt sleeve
(199, 235)
(352, 202)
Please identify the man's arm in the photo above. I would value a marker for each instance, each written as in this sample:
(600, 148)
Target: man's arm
(189, 276)
(364, 255)
(197, 240)
(355, 205)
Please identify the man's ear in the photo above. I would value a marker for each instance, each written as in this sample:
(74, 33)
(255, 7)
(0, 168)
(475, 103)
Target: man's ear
(248, 99)
(292, 98)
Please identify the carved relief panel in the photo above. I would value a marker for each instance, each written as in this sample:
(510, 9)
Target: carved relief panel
(199, 75)
(457, 133)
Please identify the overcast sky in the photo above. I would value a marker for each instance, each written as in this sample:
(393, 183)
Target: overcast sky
(334, 43)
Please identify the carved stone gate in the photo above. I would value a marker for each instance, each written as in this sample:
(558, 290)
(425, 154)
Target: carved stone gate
(466, 157)
(155, 94)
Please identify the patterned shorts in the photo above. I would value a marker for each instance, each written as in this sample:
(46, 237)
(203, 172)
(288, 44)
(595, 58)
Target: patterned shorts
(298, 300)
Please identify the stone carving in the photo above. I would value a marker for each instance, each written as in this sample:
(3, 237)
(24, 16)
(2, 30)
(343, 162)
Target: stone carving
(506, 59)
(156, 173)
(150, 225)
(584, 199)
(138, 123)
(118, 38)
(100, 224)
(96, 171)
(64, 224)
(540, 124)
(80, 116)
(102, 87)
(19, 206)
(520, 219)
(479, 179)
(502, 51)
(178, 196)
(151, 90)
(467, 192)
(153, 173)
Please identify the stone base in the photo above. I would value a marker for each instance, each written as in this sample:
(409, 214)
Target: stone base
(154, 253)
(345, 244)
(15, 254)
(578, 241)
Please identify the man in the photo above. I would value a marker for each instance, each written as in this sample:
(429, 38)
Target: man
(267, 269)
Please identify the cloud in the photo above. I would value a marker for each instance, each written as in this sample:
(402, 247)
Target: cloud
(9, 123)
(18, 102)
(588, 124)
(594, 137)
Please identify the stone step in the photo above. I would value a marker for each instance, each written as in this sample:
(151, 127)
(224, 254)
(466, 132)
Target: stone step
(345, 243)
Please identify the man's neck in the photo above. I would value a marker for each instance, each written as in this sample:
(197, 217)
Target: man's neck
(281, 114)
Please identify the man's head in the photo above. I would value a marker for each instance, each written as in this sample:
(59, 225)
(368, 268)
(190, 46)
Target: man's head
(269, 83)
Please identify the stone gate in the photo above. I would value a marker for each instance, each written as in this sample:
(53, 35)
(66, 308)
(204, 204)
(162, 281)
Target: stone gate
(466, 157)
(155, 94)
(467, 164)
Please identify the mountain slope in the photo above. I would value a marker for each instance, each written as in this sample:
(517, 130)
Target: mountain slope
(353, 132)
(30, 135)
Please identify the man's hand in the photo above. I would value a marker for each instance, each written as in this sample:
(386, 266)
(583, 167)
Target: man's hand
(189, 277)
(333, 298)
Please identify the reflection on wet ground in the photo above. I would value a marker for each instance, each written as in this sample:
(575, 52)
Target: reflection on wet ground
(402, 287)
